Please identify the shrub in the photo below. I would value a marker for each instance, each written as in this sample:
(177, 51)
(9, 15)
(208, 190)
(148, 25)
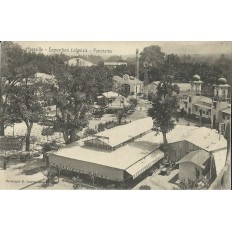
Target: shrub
(101, 126)
(47, 131)
(89, 131)
(134, 101)
(145, 187)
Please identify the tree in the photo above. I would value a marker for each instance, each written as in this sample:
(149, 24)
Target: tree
(24, 100)
(71, 102)
(155, 59)
(164, 107)
(12, 57)
(122, 113)
(89, 132)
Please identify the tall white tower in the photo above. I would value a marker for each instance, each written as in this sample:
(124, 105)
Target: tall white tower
(221, 89)
(196, 85)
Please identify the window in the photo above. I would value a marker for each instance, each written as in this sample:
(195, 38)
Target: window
(203, 112)
(196, 108)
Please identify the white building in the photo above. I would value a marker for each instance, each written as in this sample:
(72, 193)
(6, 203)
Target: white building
(215, 109)
(79, 62)
(127, 85)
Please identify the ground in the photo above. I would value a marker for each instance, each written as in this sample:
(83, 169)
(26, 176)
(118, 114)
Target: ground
(20, 174)
(159, 182)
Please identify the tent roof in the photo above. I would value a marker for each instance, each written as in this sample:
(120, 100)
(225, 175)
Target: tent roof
(197, 157)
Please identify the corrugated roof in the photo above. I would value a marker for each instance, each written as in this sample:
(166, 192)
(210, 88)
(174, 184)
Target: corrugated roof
(197, 157)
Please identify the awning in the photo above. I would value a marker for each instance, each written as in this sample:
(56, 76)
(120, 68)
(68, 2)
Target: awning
(220, 160)
(142, 165)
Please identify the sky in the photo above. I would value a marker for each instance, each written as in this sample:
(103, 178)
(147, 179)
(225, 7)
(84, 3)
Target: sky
(127, 48)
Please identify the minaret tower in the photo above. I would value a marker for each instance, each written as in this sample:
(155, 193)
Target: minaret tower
(196, 85)
(221, 90)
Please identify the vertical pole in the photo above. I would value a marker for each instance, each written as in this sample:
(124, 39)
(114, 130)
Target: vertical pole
(137, 64)
(211, 114)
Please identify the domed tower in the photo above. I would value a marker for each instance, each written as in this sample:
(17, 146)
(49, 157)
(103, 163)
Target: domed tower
(196, 84)
(221, 89)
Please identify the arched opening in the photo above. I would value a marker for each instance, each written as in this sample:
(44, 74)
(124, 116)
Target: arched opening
(126, 89)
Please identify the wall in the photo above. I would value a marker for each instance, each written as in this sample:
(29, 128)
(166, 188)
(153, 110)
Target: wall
(181, 149)
(187, 171)
(86, 167)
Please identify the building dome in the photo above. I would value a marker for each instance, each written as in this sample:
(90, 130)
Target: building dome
(222, 81)
(196, 77)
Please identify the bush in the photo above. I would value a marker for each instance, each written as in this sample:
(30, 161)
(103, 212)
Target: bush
(134, 101)
(101, 127)
(89, 131)
(145, 187)
(49, 146)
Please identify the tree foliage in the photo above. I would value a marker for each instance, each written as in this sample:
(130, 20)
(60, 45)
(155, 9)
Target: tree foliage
(164, 107)
(70, 100)
(24, 101)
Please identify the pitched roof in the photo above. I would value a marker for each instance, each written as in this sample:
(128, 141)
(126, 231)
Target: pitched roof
(123, 133)
(117, 78)
(197, 157)
(121, 158)
(111, 94)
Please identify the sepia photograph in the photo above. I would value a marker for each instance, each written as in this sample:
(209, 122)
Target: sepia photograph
(139, 115)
